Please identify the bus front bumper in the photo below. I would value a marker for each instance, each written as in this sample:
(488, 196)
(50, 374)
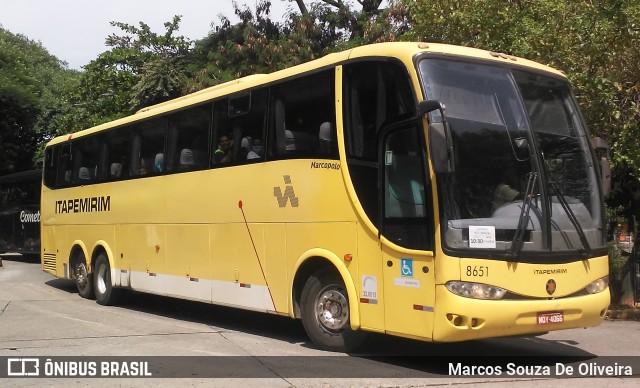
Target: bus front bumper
(458, 318)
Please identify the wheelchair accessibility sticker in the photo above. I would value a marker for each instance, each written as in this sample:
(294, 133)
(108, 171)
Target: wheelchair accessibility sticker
(406, 273)
(406, 268)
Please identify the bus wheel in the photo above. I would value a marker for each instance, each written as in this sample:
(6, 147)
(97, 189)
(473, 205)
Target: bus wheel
(105, 293)
(84, 281)
(325, 313)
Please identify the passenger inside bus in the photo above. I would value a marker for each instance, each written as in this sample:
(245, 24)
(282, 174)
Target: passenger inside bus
(507, 190)
(502, 195)
(223, 153)
(257, 150)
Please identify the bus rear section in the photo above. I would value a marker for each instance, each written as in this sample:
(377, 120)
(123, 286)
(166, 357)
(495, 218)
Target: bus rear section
(20, 213)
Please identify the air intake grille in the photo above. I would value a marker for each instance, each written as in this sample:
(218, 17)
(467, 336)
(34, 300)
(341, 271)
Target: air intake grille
(49, 262)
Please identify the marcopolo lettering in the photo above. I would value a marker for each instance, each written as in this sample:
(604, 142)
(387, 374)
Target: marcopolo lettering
(325, 165)
(84, 205)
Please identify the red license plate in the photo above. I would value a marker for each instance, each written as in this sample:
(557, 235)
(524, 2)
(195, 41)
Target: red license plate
(550, 318)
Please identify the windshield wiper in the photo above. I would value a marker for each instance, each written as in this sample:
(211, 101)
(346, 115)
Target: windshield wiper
(572, 218)
(518, 237)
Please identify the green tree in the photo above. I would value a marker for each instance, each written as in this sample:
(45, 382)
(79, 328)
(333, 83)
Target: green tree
(596, 43)
(257, 44)
(33, 103)
(342, 17)
(235, 50)
(142, 68)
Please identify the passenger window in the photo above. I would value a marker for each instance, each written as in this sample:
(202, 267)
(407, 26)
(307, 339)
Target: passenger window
(302, 123)
(239, 129)
(64, 166)
(86, 152)
(50, 163)
(118, 153)
(148, 148)
(376, 94)
(188, 139)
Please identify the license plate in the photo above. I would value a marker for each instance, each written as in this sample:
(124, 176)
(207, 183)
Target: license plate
(550, 318)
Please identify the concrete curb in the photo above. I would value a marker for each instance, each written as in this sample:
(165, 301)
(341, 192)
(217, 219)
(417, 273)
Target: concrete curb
(623, 314)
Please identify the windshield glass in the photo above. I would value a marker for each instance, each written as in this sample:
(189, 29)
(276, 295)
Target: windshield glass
(524, 178)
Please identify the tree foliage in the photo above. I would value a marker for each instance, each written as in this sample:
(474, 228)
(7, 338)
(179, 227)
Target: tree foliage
(34, 87)
(257, 44)
(142, 68)
(596, 43)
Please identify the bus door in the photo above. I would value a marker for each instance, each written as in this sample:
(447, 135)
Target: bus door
(407, 258)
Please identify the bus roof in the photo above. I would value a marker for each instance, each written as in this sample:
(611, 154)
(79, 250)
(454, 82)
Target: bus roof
(404, 51)
(23, 176)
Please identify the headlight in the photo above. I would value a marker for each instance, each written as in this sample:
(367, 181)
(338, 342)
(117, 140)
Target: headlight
(598, 286)
(475, 290)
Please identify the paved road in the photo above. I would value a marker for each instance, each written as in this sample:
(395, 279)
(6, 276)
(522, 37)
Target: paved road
(44, 317)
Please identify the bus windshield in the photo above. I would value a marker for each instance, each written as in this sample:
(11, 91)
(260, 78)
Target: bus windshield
(524, 179)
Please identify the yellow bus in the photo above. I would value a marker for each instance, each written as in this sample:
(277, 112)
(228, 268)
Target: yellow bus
(427, 191)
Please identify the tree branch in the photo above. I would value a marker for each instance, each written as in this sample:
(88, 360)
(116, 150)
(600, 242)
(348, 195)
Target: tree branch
(302, 7)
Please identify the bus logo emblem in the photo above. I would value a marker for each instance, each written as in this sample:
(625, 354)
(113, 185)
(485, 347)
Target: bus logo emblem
(288, 195)
(551, 286)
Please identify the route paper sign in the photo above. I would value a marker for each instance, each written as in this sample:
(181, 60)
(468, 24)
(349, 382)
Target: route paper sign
(482, 236)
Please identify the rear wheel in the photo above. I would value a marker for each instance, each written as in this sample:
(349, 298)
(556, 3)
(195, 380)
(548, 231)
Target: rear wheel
(84, 280)
(326, 315)
(105, 293)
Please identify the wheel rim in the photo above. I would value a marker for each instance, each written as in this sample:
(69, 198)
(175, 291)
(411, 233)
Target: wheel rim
(101, 284)
(82, 278)
(332, 308)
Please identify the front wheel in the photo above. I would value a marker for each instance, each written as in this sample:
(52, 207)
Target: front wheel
(106, 295)
(326, 314)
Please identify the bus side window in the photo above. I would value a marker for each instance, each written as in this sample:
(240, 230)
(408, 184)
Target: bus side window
(239, 128)
(148, 142)
(187, 141)
(118, 158)
(376, 93)
(302, 122)
(50, 164)
(86, 157)
(64, 166)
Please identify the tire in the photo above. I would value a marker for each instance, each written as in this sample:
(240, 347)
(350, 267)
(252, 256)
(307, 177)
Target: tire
(325, 313)
(84, 280)
(106, 295)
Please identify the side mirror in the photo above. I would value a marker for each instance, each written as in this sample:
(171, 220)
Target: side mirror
(601, 148)
(428, 106)
(605, 171)
(440, 141)
(441, 148)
